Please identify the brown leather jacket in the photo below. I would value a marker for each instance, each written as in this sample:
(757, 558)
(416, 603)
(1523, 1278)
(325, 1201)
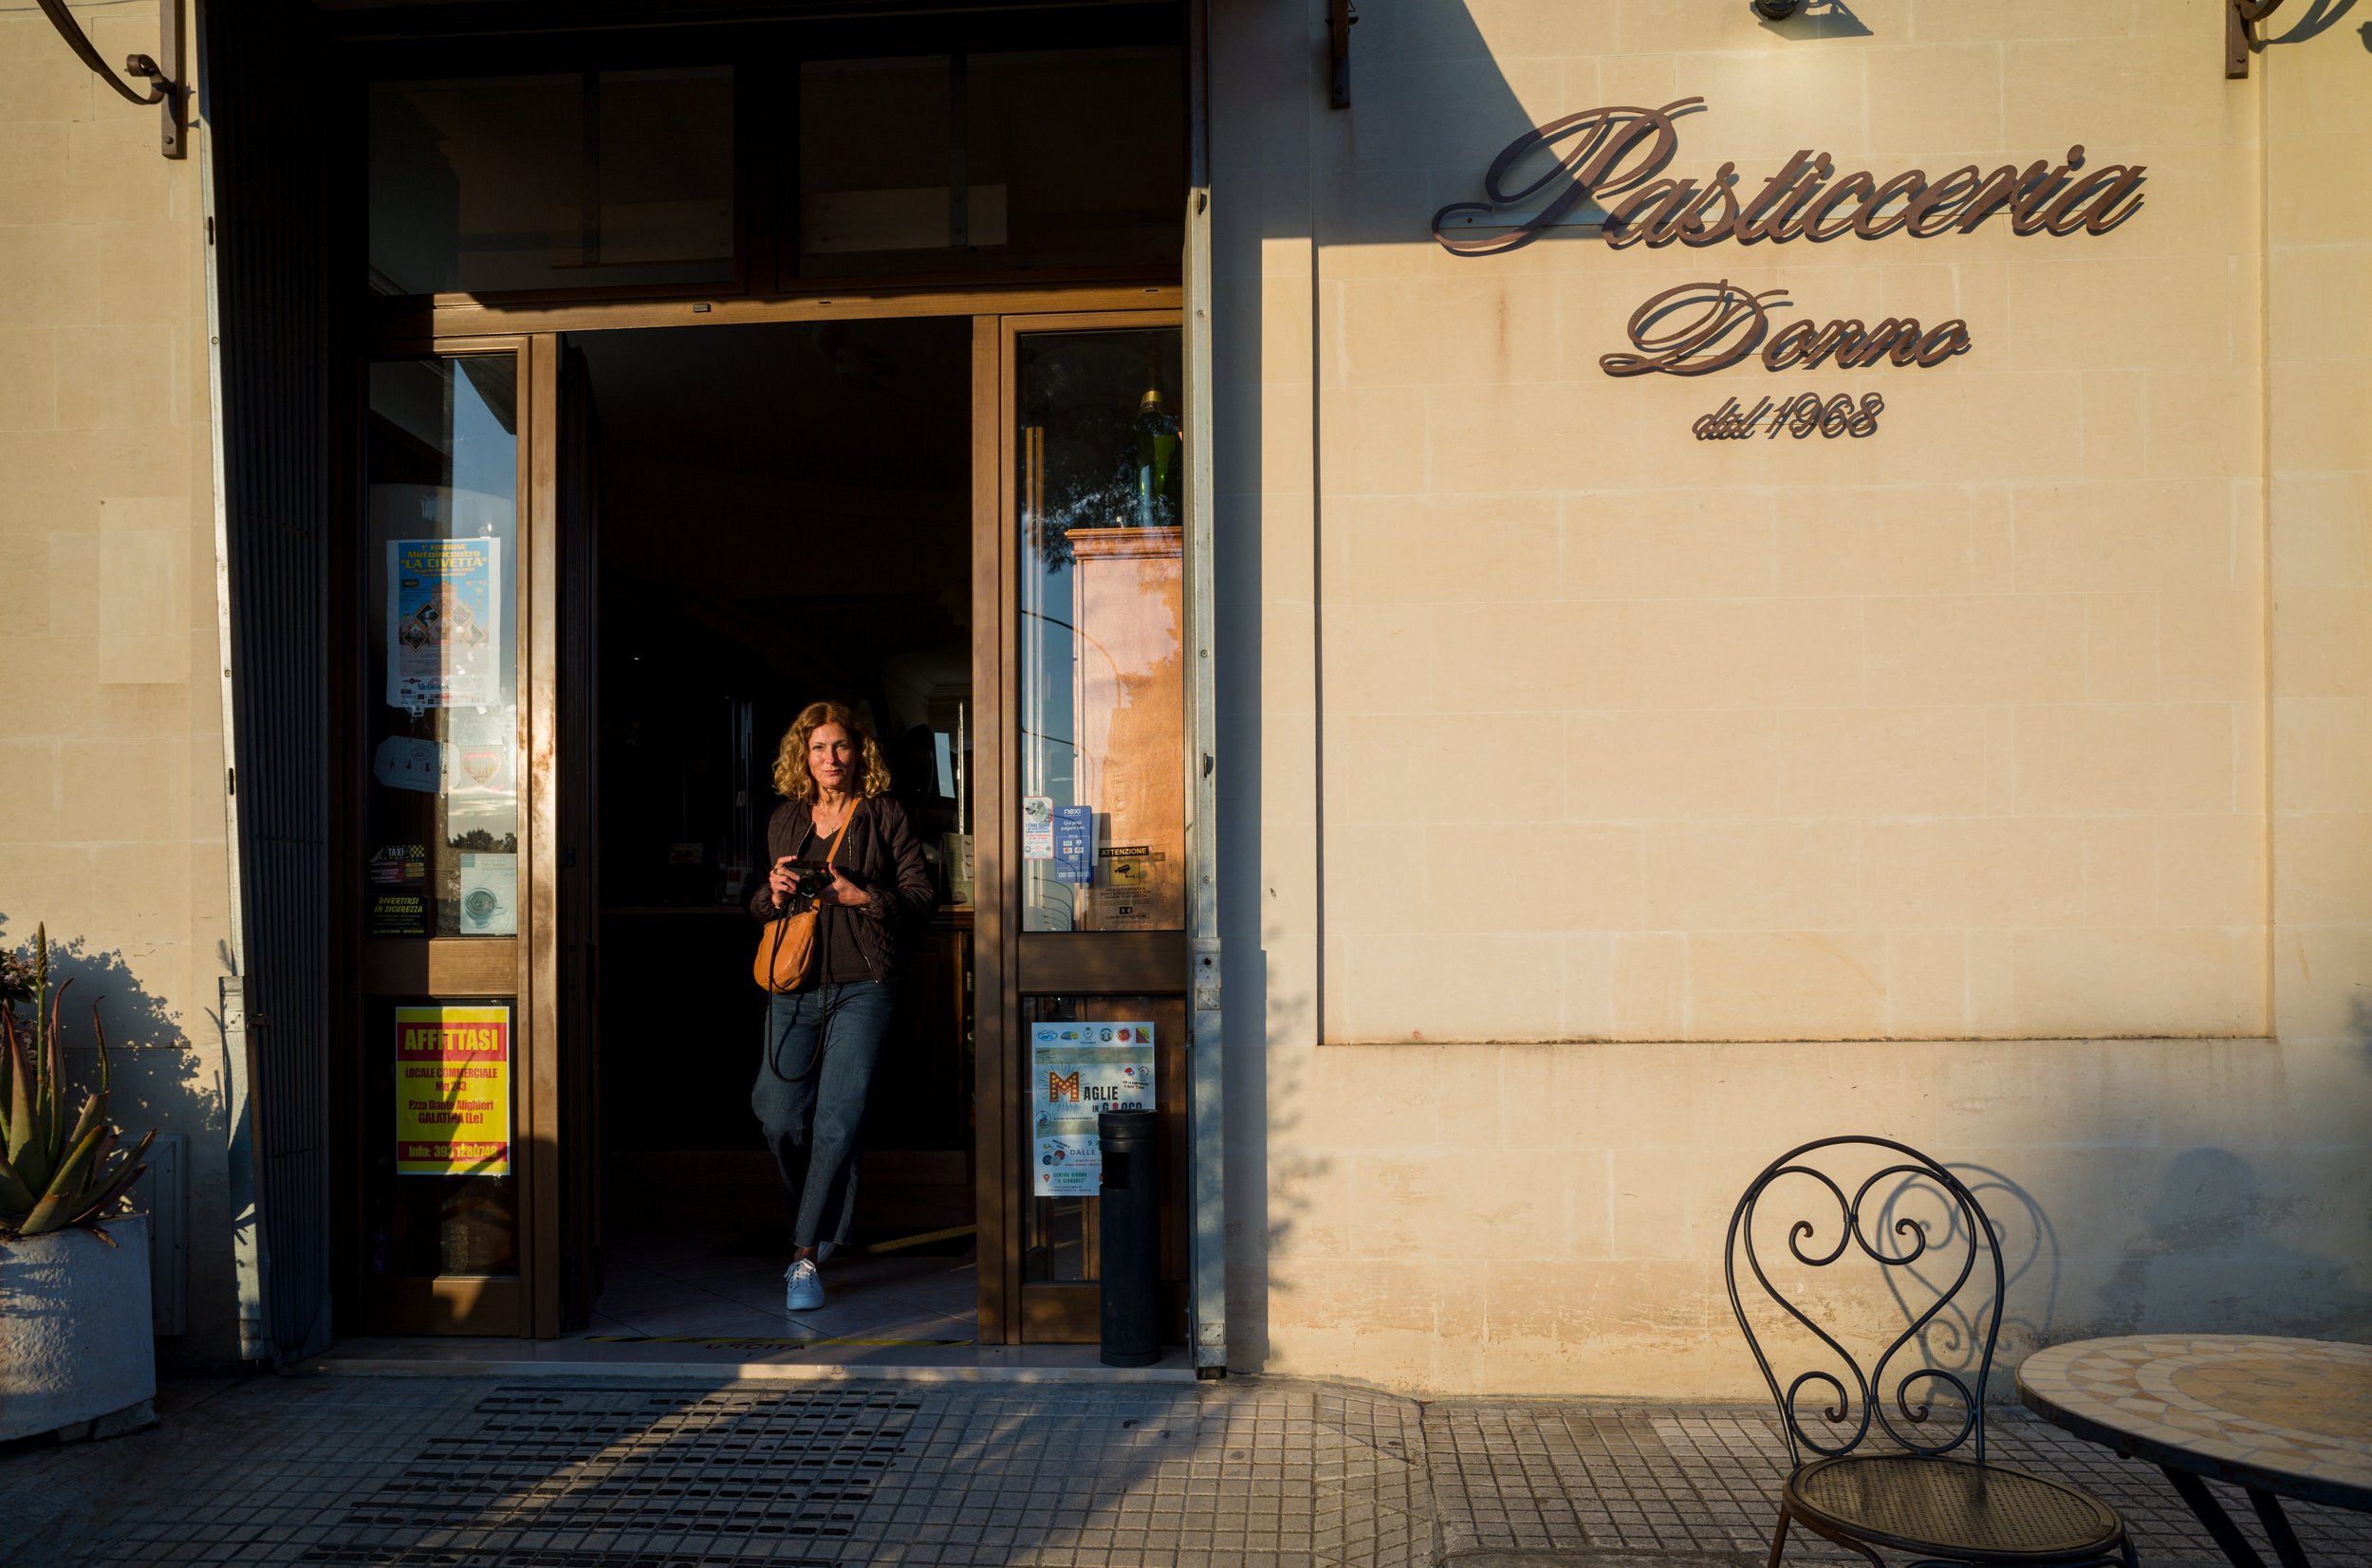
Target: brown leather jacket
(881, 856)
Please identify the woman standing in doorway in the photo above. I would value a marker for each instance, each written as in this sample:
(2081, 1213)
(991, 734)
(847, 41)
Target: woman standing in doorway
(821, 1041)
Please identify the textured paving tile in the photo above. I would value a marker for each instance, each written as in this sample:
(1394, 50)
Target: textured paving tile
(611, 1473)
(1570, 1481)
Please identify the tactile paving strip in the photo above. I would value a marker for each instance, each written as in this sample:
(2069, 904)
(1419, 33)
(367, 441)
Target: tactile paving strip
(535, 1477)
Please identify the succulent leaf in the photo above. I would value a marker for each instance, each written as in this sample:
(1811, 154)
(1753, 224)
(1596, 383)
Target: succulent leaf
(112, 1190)
(11, 1109)
(92, 1120)
(67, 1194)
(107, 1074)
(53, 1081)
(56, 1173)
(31, 1157)
(15, 1197)
(22, 1114)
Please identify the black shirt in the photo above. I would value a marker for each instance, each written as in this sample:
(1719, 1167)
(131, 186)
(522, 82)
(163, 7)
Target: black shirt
(880, 855)
(836, 928)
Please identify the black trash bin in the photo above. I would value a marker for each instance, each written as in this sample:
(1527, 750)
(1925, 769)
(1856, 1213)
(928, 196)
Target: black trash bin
(1131, 1234)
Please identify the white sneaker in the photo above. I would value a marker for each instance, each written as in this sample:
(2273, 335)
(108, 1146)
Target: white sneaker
(802, 1290)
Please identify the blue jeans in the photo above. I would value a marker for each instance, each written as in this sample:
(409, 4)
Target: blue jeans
(820, 1047)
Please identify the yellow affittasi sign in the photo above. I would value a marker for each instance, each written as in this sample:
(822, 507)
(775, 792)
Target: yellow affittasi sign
(453, 1091)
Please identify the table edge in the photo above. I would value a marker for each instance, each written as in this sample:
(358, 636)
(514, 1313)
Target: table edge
(2335, 1494)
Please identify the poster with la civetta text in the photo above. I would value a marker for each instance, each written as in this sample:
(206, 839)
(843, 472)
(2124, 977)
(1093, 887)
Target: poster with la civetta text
(444, 624)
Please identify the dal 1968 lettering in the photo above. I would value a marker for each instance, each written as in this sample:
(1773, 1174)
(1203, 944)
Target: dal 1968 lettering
(1801, 415)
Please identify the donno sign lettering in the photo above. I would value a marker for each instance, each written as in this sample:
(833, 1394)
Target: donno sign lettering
(1611, 162)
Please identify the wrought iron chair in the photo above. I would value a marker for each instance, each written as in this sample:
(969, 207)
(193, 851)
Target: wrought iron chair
(1884, 1470)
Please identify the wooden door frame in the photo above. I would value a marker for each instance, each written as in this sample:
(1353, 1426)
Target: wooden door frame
(998, 1242)
(531, 1305)
(1100, 963)
(464, 969)
(539, 849)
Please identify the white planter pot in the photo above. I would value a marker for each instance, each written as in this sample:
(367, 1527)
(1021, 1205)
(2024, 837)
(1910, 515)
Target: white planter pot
(75, 1340)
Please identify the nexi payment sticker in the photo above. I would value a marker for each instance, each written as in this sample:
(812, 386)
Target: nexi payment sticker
(1074, 845)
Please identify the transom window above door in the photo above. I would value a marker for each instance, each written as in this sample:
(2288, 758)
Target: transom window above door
(591, 179)
(748, 179)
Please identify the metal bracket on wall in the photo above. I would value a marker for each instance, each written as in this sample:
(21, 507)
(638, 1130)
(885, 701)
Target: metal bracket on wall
(168, 84)
(2240, 20)
(1341, 16)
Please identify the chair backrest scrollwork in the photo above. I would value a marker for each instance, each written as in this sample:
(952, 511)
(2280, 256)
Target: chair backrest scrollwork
(1902, 1385)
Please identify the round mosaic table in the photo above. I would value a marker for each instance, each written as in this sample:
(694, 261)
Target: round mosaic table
(2275, 1417)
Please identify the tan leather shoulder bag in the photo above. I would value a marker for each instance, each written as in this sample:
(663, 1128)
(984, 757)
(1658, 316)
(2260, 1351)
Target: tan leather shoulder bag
(786, 956)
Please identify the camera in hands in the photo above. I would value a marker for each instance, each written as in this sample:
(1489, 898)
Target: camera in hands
(807, 879)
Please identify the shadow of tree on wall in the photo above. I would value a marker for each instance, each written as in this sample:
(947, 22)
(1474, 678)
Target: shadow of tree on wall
(2209, 1261)
(1429, 106)
(1270, 1198)
(158, 1077)
(2212, 1261)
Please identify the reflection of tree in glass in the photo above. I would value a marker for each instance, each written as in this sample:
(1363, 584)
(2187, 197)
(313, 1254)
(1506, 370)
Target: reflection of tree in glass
(1107, 471)
(481, 842)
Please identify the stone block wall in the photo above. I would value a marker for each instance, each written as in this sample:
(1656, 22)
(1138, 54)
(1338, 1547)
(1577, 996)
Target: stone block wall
(111, 758)
(1631, 806)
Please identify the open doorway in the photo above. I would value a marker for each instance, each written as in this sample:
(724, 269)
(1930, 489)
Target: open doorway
(771, 515)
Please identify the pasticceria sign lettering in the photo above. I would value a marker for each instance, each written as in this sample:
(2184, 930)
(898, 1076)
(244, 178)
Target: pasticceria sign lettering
(1615, 157)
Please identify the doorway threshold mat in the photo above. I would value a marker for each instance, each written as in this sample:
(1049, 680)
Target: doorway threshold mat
(725, 1359)
(773, 1243)
(746, 1342)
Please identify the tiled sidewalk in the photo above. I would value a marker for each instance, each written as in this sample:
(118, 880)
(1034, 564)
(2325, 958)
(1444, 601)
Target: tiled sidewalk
(1672, 1481)
(477, 1472)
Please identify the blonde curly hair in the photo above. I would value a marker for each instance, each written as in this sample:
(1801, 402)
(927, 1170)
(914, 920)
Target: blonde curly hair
(791, 779)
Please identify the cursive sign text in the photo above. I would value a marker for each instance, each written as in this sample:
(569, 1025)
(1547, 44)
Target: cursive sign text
(1699, 327)
(1807, 414)
(1615, 157)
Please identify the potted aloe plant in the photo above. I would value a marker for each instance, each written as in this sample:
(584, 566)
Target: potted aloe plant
(75, 1343)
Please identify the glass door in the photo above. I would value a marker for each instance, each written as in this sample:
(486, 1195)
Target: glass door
(1095, 819)
(441, 1112)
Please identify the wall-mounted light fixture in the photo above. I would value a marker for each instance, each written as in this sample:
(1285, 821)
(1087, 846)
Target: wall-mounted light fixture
(1776, 10)
(2240, 20)
(168, 83)
(1341, 16)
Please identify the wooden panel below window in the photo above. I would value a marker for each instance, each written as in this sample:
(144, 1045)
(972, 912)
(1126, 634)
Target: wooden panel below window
(449, 1305)
(1104, 962)
(1072, 1314)
(454, 966)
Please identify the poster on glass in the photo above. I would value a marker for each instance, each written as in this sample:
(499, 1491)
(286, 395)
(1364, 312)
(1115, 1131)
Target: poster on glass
(444, 624)
(1076, 1070)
